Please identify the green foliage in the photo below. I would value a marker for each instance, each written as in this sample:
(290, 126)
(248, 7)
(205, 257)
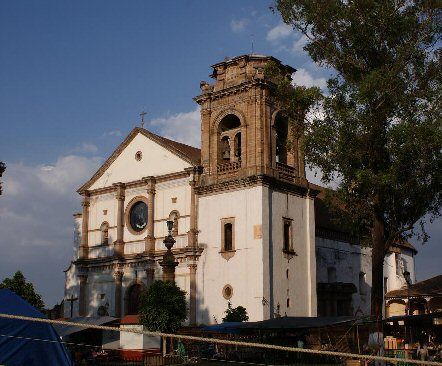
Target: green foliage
(163, 307)
(2, 170)
(380, 138)
(23, 289)
(238, 314)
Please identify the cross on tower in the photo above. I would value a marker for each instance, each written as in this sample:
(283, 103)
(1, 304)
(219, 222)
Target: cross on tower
(71, 300)
(142, 114)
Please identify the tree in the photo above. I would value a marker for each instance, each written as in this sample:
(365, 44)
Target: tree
(238, 314)
(380, 138)
(23, 289)
(2, 170)
(163, 307)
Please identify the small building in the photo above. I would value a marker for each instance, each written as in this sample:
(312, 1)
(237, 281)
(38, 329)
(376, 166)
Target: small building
(422, 297)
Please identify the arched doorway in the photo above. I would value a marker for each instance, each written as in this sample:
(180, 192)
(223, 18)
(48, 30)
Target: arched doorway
(133, 299)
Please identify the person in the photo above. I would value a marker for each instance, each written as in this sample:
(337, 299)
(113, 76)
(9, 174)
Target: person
(423, 352)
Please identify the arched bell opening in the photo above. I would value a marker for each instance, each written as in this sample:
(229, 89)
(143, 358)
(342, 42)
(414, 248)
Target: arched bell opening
(229, 140)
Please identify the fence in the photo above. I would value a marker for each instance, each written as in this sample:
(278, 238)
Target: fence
(206, 350)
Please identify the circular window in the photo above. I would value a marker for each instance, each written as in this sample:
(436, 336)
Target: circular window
(227, 292)
(138, 155)
(138, 216)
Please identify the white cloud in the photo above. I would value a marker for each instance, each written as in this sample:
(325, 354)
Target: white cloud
(298, 45)
(279, 32)
(238, 25)
(86, 148)
(114, 133)
(36, 220)
(303, 77)
(184, 127)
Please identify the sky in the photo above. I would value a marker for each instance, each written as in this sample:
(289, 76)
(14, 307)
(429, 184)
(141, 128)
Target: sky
(74, 77)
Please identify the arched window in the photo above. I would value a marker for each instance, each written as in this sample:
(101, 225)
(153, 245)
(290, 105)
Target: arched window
(225, 148)
(228, 236)
(104, 228)
(281, 132)
(237, 145)
(174, 216)
(331, 274)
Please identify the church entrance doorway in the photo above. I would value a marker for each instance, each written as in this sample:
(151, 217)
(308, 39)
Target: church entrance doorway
(133, 299)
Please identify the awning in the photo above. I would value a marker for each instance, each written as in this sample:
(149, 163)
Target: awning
(418, 317)
(65, 330)
(295, 322)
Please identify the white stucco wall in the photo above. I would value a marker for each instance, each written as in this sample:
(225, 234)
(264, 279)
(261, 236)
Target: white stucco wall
(244, 271)
(156, 160)
(300, 286)
(349, 261)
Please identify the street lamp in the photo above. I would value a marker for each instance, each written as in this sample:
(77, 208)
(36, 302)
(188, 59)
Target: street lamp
(407, 278)
(168, 263)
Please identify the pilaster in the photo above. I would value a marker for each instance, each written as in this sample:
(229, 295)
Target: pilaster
(84, 249)
(82, 311)
(120, 196)
(192, 294)
(118, 276)
(150, 237)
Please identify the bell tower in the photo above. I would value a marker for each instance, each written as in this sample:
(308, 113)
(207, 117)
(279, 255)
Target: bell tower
(242, 131)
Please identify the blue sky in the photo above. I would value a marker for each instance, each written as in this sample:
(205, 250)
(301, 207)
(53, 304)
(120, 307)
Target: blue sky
(73, 78)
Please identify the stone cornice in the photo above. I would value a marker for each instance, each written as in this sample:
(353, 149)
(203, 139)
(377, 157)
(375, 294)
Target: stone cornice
(128, 260)
(301, 189)
(244, 86)
(142, 182)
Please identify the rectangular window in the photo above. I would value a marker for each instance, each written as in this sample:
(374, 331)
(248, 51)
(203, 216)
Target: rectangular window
(227, 234)
(287, 245)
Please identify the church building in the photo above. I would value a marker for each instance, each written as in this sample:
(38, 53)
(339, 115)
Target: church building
(249, 227)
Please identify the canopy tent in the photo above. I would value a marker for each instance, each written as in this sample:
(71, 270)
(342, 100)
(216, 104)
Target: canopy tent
(24, 342)
(64, 330)
(297, 322)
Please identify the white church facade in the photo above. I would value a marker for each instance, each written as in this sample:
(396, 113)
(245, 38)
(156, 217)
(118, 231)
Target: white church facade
(249, 227)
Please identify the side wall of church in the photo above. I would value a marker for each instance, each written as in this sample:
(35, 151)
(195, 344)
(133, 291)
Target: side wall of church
(244, 270)
(351, 264)
(289, 277)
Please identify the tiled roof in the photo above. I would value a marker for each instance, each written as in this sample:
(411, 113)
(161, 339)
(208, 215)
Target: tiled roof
(192, 153)
(429, 287)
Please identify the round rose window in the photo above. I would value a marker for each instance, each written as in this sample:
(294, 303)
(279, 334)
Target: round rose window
(138, 216)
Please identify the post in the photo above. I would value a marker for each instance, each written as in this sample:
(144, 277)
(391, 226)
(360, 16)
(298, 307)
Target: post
(150, 237)
(118, 275)
(84, 250)
(119, 243)
(193, 230)
(192, 295)
(82, 305)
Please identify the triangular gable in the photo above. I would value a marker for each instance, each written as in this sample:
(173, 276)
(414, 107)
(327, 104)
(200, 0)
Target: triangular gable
(160, 156)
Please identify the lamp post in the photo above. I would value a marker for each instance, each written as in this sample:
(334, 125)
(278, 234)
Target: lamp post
(408, 281)
(168, 263)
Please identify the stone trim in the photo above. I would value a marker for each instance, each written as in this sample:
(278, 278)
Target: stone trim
(141, 182)
(225, 292)
(127, 214)
(302, 189)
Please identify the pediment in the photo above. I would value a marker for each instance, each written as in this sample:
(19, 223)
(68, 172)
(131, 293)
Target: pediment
(142, 154)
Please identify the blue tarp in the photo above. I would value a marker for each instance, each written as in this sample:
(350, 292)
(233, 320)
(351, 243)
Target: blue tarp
(24, 342)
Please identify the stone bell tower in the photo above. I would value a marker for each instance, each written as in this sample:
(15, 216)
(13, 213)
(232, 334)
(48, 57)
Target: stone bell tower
(255, 207)
(242, 131)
